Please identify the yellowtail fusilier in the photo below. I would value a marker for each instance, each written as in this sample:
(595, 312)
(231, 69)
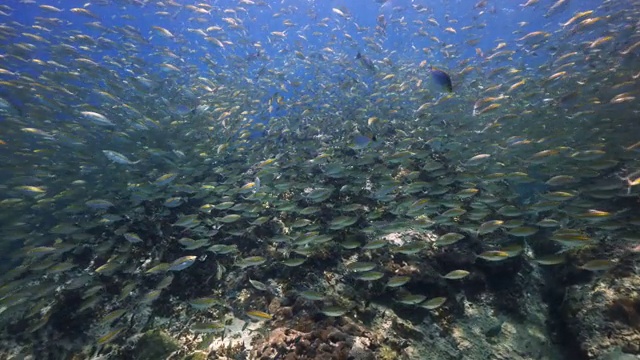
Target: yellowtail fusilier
(228, 219)
(112, 316)
(97, 118)
(433, 303)
(31, 190)
(159, 268)
(456, 274)
(191, 244)
(258, 285)
(223, 249)
(369, 275)
(449, 239)
(165, 179)
(188, 221)
(342, 222)
(207, 328)
(411, 299)
(598, 265)
(375, 244)
(251, 261)
(319, 195)
(173, 202)
(259, 315)
(132, 238)
(224, 205)
(397, 281)
(293, 262)
(489, 226)
(151, 296)
(493, 255)
(118, 158)
(361, 266)
(110, 336)
(204, 303)
(410, 249)
(334, 310)
(554, 259)
(523, 231)
(312, 295)
(182, 263)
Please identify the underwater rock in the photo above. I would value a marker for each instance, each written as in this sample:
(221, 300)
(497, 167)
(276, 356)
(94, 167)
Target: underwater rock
(155, 344)
(322, 343)
(196, 355)
(482, 328)
(605, 315)
(360, 350)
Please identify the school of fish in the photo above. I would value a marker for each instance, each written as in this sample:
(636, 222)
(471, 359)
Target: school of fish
(136, 160)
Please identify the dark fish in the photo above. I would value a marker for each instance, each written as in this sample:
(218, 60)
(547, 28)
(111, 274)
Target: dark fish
(366, 62)
(442, 79)
(8, 106)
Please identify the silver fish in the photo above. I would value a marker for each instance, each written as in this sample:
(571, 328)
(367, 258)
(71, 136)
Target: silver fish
(97, 119)
(116, 157)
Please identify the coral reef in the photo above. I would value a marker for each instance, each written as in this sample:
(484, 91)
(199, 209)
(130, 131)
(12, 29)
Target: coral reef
(605, 315)
(155, 344)
(326, 343)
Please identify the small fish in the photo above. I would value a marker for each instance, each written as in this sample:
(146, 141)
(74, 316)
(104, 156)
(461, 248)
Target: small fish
(259, 315)
(187, 221)
(222, 249)
(456, 274)
(411, 299)
(112, 316)
(333, 310)
(118, 158)
(97, 119)
(361, 141)
(598, 265)
(366, 62)
(312, 295)
(553, 259)
(160, 268)
(370, 276)
(251, 261)
(494, 255)
(207, 328)
(258, 285)
(434, 303)
(31, 190)
(523, 231)
(442, 79)
(99, 204)
(489, 226)
(173, 202)
(375, 244)
(397, 281)
(228, 219)
(165, 179)
(132, 237)
(110, 336)
(410, 249)
(449, 239)
(361, 266)
(204, 303)
(293, 262)
(182, 263)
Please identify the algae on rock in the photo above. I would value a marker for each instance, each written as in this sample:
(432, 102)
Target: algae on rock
(155, 344)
